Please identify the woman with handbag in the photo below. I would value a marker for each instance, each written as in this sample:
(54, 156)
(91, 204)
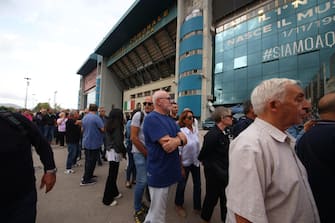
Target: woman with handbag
(115, 152)
(214, 157)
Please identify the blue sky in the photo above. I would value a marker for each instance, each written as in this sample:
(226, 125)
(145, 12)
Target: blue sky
(48, 41)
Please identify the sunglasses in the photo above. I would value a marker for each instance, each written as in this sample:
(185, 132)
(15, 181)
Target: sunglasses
(147, 103)
(228, 116)
(189, 117)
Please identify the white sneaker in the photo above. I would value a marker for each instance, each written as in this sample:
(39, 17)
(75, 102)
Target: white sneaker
(118, 196)
(76, 165)
(69, 171)
(114, 203)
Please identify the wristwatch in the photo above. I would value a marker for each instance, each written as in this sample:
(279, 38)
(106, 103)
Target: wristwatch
(51, 171)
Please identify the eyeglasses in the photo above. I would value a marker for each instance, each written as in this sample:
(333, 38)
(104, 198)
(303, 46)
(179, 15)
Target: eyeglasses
(189, 117)
(147, 103)
(228, 116)
(168, 98)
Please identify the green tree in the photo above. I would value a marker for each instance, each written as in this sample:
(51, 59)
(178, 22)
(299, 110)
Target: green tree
(41, 105)
(58, 107)
(8, 108)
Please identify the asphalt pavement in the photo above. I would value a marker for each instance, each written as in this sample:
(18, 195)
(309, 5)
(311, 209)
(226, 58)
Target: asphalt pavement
(70, 203)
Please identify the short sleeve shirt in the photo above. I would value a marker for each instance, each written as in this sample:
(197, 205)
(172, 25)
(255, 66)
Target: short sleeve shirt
(92, 136)
(136, 122)
(191, 150)
(267, 182)
(163, 169)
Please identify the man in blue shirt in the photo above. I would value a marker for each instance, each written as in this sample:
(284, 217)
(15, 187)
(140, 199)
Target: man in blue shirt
(162, 138)
(92, 128)
(246, 120)
(316, 151)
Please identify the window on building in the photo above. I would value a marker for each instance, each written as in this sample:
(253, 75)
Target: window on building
(218, 68)
(167, 88)
(240, 62)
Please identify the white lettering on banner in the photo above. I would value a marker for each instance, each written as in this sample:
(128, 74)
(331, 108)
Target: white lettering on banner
(284, 23)
(248, 35)
(317, 10)
(296, 3)
(300, 46)
(308, 26)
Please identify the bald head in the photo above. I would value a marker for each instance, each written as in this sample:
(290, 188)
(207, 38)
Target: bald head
(162, 101)
(327, 105)
(157, 95)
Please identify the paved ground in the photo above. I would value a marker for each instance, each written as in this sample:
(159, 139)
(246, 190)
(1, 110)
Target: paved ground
(70, 203)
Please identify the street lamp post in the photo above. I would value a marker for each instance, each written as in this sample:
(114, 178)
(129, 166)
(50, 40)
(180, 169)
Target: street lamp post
(25, 102)
(33, 101)
(55, 93)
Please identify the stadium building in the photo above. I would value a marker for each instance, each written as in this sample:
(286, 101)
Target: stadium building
(206, 52)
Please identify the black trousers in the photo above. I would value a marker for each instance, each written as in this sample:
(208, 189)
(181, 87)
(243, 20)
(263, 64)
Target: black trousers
(215, 189)
(111, 189)
(61, 138)
(91, 157)
(22, 210)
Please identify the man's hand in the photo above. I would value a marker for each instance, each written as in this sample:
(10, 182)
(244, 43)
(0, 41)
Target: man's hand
(183, 172)
(309, 124)
(48, 180)
(169, 144)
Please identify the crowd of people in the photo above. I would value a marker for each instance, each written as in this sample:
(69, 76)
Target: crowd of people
(275, 164)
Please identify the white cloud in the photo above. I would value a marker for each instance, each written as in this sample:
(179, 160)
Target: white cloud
(48, 41)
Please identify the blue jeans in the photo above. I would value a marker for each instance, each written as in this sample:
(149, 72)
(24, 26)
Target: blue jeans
(179, 199)
(48, 132)
(72, 149)
(91, 157)
(141, 179)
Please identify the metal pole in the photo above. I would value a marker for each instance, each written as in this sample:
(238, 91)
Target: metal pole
(25, 102)
(33, 103)
(55, 99)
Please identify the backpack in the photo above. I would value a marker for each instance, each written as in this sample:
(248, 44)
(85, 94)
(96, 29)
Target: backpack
(142, 117)
(13, 121)
(128, 141)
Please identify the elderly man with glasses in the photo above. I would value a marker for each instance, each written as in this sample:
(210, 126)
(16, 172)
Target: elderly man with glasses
(162, 138)
(214, 157)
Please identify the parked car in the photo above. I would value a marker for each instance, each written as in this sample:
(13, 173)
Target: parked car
(207, 124)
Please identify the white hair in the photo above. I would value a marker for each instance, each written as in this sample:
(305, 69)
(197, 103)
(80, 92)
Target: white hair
(219, 113)
(157, 94)
(268, 90)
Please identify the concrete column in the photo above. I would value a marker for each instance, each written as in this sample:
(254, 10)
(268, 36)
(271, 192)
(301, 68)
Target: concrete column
(207, 59)
(81, 96)
(111, 91)
(180, 19)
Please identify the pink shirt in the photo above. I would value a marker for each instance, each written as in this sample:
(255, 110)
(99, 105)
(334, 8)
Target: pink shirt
(61, 123)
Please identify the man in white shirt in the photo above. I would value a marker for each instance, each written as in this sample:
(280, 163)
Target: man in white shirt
(267, 182)
(139, 151)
